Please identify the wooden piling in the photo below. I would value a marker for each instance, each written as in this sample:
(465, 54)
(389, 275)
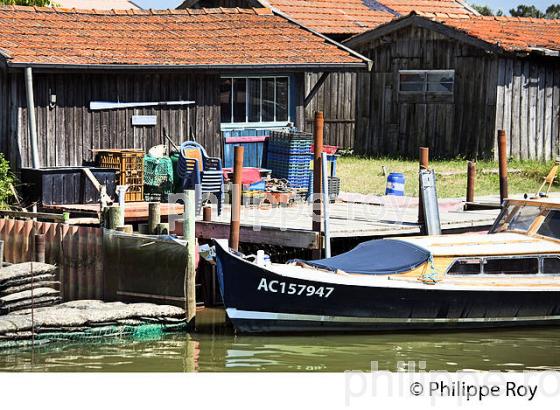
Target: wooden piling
(502, 158)
(154, 217)
(113, 216)
(189, 223)
(471, 177)
(318, 130)
(207, 214)
(236, 190)
(126, 229)
(162, 229)
(1, 253)
(40, 247)
(424, 164)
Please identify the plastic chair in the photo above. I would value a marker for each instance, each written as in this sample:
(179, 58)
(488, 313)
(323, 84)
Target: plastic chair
(201, 172)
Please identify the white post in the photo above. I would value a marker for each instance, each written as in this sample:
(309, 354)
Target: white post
(189, 224)
(31, 118)
(326, 204)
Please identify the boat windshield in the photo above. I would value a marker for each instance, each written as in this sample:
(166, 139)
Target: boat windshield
(551, 225)
(516, 218)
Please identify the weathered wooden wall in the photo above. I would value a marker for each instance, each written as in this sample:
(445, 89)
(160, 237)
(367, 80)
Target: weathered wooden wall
(528, 106)
(68, 131)
(391, 124)
(77, 251)
(337, 99)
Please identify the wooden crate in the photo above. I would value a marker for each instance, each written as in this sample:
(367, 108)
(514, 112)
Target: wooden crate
(130, 166)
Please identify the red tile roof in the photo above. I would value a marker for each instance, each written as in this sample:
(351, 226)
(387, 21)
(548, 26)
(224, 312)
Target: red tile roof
(509, 33)
(333, 16)
(403, 7)
(195, 38)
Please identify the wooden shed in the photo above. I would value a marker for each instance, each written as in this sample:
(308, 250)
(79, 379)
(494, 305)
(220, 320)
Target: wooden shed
(451, 82)
(191, 72)
(335, 93)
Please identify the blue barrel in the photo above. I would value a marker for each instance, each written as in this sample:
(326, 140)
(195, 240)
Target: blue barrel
(395, 184)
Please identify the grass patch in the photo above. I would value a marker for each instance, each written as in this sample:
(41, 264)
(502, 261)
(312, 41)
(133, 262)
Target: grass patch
(365, 176)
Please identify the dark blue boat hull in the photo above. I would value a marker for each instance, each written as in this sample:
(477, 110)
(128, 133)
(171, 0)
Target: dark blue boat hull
(260, 301)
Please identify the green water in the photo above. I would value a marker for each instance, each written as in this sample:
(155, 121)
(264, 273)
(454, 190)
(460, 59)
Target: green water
(216, 349)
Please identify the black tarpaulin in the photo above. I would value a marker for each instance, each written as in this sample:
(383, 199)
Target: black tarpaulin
(376, 257)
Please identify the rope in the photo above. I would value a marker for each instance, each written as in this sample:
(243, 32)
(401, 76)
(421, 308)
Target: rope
(432, 277)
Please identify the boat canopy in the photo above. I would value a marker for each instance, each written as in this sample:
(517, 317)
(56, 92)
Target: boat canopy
(377, 257)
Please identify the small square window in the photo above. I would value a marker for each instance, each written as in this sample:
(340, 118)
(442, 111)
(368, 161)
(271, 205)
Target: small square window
(427, 81)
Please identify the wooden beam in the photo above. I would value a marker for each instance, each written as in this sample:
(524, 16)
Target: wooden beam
(293, 238)
(38, 215)
(315, 89)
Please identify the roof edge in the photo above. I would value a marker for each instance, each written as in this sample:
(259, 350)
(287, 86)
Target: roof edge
(341, 46)
(427, 23)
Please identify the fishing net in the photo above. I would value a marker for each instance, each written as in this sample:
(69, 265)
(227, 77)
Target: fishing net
(158, 175)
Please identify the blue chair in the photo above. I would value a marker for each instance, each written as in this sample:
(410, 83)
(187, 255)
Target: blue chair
(202, 173)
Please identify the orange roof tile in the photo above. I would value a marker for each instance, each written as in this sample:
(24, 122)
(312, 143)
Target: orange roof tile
(509, 33)
(403, 7)
(334, 16)
(204, 37)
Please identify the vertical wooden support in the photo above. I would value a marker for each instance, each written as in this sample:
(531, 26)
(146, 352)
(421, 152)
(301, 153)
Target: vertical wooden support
(112, 216)
(236, 190)
(40, 246)
(189, 223)
(502, 157)
(318, 130)
(471, 177)
(154, 217)
(424, 163)
(1, 254)
(207, 214)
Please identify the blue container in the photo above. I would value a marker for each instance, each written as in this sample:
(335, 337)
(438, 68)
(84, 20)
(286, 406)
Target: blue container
(395, 184)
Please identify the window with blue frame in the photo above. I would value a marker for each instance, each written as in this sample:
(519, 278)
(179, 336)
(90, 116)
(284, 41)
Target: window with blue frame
(255, 101)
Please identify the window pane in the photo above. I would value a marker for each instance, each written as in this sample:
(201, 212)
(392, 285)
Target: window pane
(413, 78)
(225, 99)
(254, 100)
(412, 87)
(239, 99)
(551, 225)
(268, 99)
(465, 267)
(441, 77)
(524, 218)
(440, 87)
(282, 99)
(512, 266)
(551, 265)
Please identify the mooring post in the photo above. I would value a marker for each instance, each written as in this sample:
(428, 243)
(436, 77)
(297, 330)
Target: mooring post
(502, 157)
(207, 214)
(318, 130)
(154, 217)
(189, 225)
(236, 190)
(40, 246)
(112, 216)
(471, 177)
(424, 163)
(1, 254)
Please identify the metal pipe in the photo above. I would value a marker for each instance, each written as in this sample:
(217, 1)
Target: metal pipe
(236, 190)
(502, 158)
(326, 204)
(424, 164)
(32, 122)
(471, 177)
(318, 130)
(207, 214)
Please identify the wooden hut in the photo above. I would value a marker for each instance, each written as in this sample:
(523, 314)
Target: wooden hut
(205, 69)
(335, 93)
(451, 82)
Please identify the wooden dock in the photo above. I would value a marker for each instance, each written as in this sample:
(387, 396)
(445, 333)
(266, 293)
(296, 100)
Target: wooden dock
(290, 226)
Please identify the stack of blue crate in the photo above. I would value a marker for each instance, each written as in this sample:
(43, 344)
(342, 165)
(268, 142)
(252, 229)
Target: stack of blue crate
(289, 157)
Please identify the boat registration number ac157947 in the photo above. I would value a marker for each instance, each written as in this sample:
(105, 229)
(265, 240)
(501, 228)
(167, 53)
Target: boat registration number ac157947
(275, 286)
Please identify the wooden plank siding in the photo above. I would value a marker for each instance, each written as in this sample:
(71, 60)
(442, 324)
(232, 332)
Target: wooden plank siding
(389, 123)
(337, 99)
(528, 106)
(68, 131)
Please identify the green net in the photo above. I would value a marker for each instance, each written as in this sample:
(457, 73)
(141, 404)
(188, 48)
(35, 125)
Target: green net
(158, 175)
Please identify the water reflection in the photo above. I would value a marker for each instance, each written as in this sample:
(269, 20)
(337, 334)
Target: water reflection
(215, 349)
